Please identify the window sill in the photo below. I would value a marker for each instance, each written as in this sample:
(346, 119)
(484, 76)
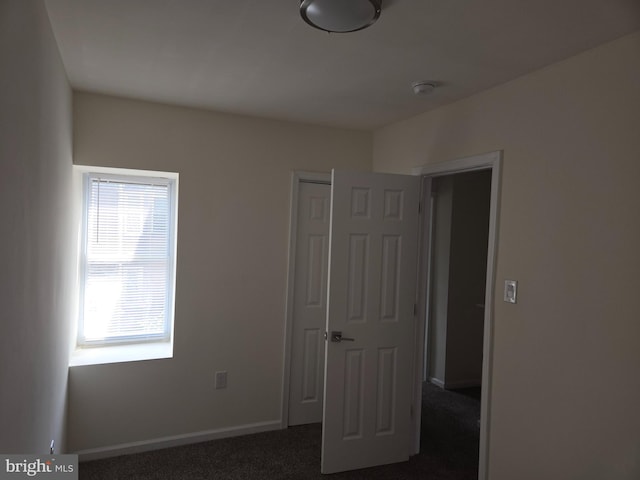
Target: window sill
(121, 353)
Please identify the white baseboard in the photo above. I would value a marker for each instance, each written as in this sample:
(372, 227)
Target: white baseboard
(176, 440)
(437, 382)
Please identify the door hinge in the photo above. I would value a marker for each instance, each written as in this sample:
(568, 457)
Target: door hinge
(415, 309)
(419, 207)
(411, 410)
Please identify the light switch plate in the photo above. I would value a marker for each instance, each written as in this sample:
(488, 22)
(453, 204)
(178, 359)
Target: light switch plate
(510, 291)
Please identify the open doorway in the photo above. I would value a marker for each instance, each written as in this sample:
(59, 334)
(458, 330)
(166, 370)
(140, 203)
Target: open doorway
(489, 165)
(459, 207)
(455, 244)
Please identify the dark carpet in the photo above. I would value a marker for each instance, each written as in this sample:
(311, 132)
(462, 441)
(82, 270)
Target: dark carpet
(449, 451)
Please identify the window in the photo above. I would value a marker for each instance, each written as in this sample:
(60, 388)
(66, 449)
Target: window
(127, 263)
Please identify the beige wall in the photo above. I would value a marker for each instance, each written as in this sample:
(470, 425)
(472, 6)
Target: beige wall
(566, 387)
(38, 254)
(235, 177)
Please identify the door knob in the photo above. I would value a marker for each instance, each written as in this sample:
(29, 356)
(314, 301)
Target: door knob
(337, 337)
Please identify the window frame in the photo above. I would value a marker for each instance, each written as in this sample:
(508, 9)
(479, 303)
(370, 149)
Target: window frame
(136, 347)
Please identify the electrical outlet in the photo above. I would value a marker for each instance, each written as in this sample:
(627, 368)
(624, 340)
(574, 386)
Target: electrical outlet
(221, 380)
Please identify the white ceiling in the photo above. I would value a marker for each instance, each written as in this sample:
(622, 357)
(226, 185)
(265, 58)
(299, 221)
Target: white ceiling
(258, 57)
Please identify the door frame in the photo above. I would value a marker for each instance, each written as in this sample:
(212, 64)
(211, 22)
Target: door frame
(297, 177)
(488, 161)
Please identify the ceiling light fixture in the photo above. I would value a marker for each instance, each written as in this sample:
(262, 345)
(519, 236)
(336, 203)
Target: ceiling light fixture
(340, 16)
(423, 88)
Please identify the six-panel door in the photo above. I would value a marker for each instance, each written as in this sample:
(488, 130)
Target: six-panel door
(309, 304)
(371, 295)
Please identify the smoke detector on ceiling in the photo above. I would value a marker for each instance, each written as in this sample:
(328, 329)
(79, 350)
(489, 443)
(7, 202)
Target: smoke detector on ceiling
(424, 87)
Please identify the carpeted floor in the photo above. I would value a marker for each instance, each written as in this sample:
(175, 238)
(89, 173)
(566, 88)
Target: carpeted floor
(449, 451)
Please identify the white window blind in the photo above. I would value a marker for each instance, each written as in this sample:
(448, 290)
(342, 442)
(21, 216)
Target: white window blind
(128, 260)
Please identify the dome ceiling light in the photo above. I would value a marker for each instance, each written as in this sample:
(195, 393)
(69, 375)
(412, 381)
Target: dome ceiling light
(340, 16)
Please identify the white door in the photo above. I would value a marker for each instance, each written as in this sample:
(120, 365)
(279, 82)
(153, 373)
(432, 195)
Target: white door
(309, 304)
(371, 295)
